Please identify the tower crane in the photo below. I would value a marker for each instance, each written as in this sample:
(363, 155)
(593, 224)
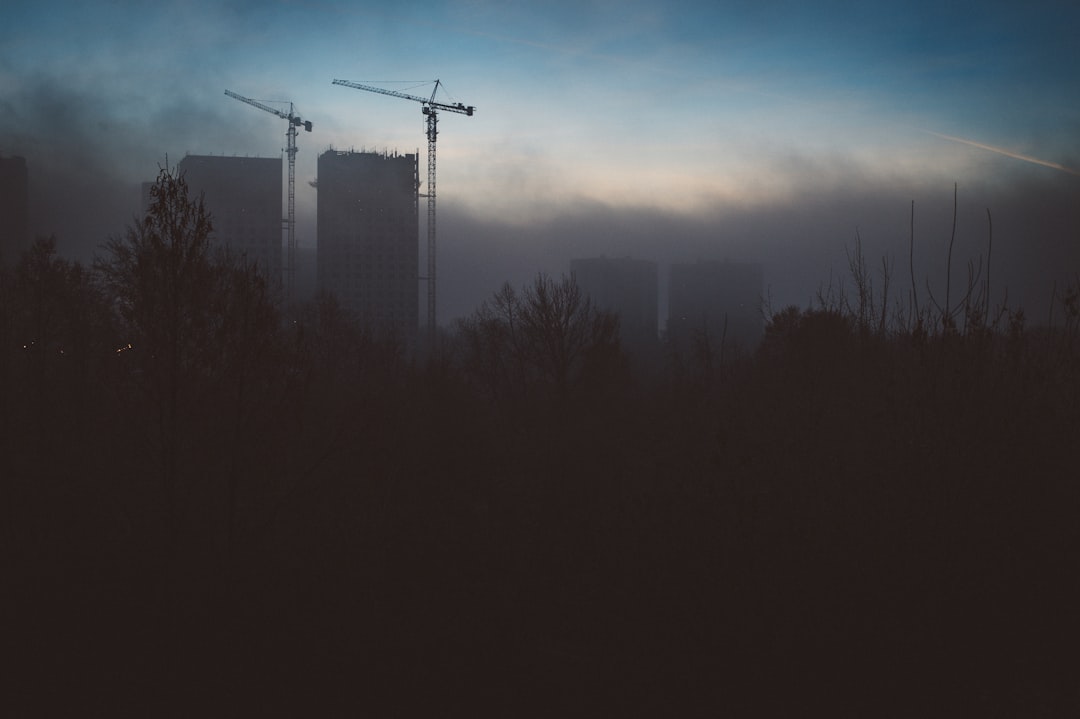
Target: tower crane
(430, 108)
(290, 145)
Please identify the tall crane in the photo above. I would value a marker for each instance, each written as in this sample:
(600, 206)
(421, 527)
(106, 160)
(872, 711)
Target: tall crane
(290, 144)
(431, 109)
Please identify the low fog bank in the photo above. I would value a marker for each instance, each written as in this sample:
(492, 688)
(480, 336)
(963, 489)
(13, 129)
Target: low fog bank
(88, 153)
(87, 156)
(802, 242)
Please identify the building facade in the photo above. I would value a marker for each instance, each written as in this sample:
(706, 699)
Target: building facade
(368, 237)
(626, 287)
(14, 209)
(243, 195)
(716, 300)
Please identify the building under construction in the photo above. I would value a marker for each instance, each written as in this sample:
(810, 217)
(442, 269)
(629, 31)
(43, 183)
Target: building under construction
(718, 302)
(627, 287)
(243, 195)
(368, 227)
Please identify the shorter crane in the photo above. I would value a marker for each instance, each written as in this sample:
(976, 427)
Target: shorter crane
(290, 144)
(430, 108)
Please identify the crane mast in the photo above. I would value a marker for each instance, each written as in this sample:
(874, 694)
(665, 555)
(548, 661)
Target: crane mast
(431, 109)
(290, 150)
(432, 132)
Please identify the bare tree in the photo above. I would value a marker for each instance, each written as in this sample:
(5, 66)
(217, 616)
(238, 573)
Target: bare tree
(549, 335)
(159, 276)
(200, 333)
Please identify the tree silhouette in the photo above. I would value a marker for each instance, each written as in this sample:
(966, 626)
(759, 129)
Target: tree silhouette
(52, 334)
(205, 362)
(549, 336)
(160, 277)
(564, 331)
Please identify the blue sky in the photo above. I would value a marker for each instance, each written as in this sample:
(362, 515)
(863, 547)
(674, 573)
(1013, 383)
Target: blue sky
(702, 120)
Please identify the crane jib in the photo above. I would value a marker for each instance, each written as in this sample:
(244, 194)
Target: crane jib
(290, 221)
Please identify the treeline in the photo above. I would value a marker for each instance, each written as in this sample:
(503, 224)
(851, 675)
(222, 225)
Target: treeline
(215, 507)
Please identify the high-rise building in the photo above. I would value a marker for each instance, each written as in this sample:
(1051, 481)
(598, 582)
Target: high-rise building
(14, 209)
(368, 229)
(626, 287)
(243, 195)
(716, 300)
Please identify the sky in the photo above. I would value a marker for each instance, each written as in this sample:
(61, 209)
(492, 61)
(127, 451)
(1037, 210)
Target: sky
(771, 132)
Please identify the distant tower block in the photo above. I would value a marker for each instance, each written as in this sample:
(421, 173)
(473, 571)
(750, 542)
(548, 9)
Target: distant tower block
(368, 225)
(720, 300)
(243, 195)
(14, 209)
(626, 287)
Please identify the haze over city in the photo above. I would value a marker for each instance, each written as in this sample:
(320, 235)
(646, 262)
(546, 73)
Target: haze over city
(766, 132)
(754, 390)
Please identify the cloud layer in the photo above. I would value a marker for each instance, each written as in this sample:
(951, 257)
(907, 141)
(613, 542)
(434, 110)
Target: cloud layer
(755, 132)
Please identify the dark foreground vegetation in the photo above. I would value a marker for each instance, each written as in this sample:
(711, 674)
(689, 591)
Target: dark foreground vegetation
(210, 508)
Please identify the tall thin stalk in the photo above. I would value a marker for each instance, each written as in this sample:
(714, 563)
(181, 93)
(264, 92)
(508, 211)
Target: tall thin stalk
(911, 262)
(989, 250)
(947, 317)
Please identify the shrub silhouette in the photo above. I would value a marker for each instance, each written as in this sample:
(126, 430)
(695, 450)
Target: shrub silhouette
(549, 337)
